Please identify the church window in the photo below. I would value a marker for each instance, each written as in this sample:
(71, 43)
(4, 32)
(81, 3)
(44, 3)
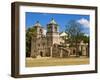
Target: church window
(38, 44)
(56, 28)
(40, 30)
(43, 44)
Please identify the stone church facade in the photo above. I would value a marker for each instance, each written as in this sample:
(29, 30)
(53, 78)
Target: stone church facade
(49, 44)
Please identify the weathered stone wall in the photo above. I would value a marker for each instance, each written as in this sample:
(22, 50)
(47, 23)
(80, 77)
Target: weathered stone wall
(38, 47)
(48, 45)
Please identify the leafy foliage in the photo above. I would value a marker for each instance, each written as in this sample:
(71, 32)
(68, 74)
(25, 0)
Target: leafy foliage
(29, 33)
(85, 39)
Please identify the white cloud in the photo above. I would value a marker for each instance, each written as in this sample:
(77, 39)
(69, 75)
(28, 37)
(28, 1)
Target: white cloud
(86, 35)
(84, 22)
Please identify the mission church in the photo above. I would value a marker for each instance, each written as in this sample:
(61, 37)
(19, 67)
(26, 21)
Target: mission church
(50, 43)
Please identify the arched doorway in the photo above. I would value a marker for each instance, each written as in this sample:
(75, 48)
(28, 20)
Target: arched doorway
(74, 51)
(41, 53)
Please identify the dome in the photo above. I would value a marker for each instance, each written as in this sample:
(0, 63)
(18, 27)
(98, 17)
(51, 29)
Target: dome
(37, 24)
(63, 34)
(53, 21)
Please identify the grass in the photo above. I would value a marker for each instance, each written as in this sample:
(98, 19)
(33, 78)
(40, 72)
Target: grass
(32, 62)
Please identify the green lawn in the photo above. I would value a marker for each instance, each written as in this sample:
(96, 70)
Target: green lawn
(32, 62)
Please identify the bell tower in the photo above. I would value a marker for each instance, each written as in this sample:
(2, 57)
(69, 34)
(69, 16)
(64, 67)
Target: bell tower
(38, 29)
(52, 33)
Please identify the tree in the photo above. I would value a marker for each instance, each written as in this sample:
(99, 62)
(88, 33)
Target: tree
(85, 39)
(29, 33)
(74, 31)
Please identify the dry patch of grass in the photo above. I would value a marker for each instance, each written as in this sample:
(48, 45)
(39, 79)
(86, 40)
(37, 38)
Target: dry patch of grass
(32, 62)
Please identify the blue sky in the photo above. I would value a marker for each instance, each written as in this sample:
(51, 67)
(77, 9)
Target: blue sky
(61, 19)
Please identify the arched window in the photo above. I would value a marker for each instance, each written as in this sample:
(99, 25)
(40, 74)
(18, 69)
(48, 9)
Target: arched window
(41, 31)
(43, 44)
(39, 45)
